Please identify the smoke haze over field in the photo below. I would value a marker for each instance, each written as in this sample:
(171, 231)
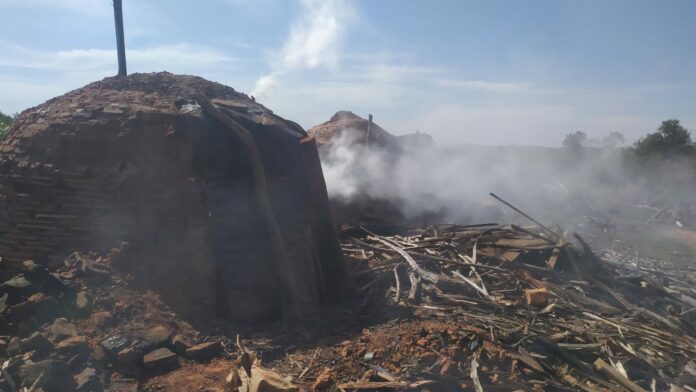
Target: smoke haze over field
(457, 179)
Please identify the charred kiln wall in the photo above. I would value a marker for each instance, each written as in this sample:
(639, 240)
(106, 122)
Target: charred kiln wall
(178, 188)
(93, 186)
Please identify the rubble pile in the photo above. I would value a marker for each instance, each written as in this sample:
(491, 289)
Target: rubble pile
(81, 328)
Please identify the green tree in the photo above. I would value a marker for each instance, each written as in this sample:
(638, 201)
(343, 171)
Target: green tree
(575, 140)
(665, 161)
(613, 140)
(670, 140)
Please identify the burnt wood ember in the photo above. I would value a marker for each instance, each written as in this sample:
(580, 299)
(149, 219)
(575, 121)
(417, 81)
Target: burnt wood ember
(136, 159)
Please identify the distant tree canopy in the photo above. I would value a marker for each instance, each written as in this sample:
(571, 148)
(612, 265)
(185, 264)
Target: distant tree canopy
(578, 139)
(613, 140)
(670, 140)
(575, 140)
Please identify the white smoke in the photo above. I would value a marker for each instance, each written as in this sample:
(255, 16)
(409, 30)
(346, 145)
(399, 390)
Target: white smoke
(265, 85)
(423, 179)
(351, 169)
(314, 41)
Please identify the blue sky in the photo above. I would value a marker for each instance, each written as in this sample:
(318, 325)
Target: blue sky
(485, 72)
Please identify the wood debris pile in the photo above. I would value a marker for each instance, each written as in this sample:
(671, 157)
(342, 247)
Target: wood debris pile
(524, 306)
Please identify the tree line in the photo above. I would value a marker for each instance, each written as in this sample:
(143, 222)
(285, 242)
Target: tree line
(663, 161)
(670, 140)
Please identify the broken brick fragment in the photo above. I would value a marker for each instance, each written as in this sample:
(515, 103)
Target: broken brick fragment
(537, 297)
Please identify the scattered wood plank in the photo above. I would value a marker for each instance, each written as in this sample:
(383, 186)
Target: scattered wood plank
(616, 376)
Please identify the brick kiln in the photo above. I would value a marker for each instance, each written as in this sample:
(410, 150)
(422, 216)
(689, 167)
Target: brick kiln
(223, 202)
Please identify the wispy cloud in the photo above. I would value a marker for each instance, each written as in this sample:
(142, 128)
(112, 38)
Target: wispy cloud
(386, 72)
(156, 57)
(314, 41)
(484, 85)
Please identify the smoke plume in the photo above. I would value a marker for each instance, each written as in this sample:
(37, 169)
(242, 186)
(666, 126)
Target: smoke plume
(314, 41)
(423, 178)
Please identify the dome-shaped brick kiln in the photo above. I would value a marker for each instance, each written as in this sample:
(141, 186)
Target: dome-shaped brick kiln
(223, 202)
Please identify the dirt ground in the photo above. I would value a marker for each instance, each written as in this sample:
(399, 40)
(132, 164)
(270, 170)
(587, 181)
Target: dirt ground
(629, 234)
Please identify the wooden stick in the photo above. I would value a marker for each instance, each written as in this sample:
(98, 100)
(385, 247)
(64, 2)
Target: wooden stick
(398, 284)
(361, 385)
(526, 216)
(471, 283)
(426, 275)
(474, 375)
(311, 363)
(533, 234)
(431, 257)
(616, 376)
(413, 294)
